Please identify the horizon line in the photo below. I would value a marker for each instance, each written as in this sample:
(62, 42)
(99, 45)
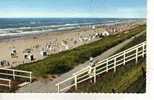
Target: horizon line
(82, 17)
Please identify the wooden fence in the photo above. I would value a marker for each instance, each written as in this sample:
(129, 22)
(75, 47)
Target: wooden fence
(5, 82)
(103, 66)
(8, 74)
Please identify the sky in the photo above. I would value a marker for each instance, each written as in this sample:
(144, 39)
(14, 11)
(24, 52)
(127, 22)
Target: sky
(73, 8)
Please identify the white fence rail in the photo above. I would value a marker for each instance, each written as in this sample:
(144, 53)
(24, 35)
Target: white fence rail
(5, 82)
(13, 74)
(100, 67)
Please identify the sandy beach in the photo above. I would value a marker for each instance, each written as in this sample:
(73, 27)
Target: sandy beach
(59, 41)
(52, 42)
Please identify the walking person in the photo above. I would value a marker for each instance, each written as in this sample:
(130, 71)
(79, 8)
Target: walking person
(91, 65)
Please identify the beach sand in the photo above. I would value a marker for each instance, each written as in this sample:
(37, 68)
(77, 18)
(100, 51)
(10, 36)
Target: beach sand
(38, 41)
(58, 41)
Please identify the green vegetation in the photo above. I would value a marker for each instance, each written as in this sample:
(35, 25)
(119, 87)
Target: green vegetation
(136, 41)
(139, 86)
(129, 78)
(66, 60)
(119, 82)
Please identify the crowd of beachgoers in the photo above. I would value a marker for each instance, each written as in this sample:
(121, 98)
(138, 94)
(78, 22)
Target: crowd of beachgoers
(26, 49)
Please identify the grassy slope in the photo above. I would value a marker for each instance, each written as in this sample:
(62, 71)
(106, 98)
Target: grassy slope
(126, 79)
(119, 81)
(64, 61)
(136, 41)
(139, 86)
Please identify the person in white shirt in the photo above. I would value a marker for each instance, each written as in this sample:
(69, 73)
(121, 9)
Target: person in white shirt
(91, 65)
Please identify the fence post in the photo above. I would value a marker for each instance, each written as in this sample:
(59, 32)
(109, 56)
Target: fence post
(94, 74)
(14, 74)
(75, 80)
(9, 84)
(124, 58)
(143, 49)
(107, 65)
(136, 55)
(115, 64)
(58, 86)
(30, 77)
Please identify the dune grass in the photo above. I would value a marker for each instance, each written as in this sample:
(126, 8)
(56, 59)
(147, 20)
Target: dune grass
(136, 41)
(66, 60)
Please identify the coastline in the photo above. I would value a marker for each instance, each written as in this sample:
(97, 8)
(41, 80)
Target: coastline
(59, 41)
(7, 33)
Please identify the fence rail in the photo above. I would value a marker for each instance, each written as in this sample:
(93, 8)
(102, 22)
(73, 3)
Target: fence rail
(103, 66)
(5, 82)
(13, 74)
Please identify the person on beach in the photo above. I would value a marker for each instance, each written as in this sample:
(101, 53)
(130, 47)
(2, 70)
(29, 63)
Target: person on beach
(91, 65)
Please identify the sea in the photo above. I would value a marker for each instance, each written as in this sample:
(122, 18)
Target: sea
(23, 26)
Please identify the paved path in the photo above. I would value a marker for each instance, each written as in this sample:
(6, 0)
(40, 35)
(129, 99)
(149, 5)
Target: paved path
(47, 86)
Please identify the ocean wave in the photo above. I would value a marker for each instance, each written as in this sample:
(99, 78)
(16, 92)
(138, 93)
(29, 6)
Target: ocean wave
(20, 31)
(33, 30)
(55, 25)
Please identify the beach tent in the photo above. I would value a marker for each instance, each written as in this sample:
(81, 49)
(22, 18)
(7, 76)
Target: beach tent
(44, 53)
(105, 33)
(4, 63)
(31, 57)
(13, 53)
